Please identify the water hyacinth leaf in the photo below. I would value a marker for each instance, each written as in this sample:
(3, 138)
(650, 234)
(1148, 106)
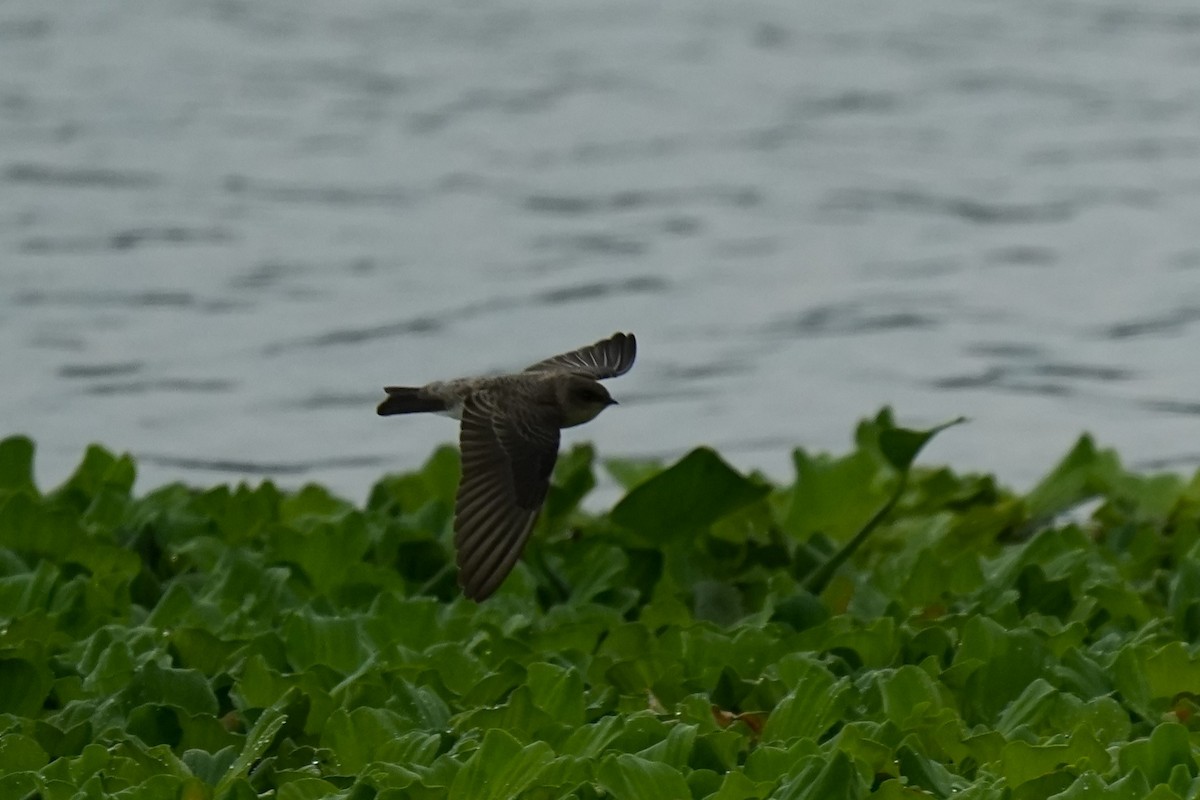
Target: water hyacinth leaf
(629, 472)
(308, 789)
(16, 464)
(436, 482)
(422, 705)
(674, 750)
(99, 470)
(717, 602)
(1181, 780)
(908, 695)
(736, 786)
(1008, 661)
(900, 446)
(335, 642)
(558, 691)
(517, 714)
(590, 740)
(925, 772)
(1022, 762)
(1172, 670)
(312, 502)
(593, 567)
(835, 496)
(186, 689)
(210, 766)
(457, 668)
(957, 657)
(24, 685)
(808, 711)
(501, 768)
(1168, 746)
(21, 753)
(239, 514)
(326, 551)
(58, 742)
(686, 497)
(412, 622)
(1028, 708)
(258, 739)
(573, 479)
(1082, 474)
(628, 775)
(19, 784)
(30, 527)
(356, 735)
(413, 749)
(895, 789)
(835, 778)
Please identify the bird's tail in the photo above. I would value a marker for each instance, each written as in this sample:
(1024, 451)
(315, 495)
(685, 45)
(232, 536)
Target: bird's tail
(408, 400)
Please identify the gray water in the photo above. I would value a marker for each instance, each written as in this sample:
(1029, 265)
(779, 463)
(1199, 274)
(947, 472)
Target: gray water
(225, 224)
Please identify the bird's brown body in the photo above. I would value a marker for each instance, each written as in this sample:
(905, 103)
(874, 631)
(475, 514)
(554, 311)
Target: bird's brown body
(509, 441)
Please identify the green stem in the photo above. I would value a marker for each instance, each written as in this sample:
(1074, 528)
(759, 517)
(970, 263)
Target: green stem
(817, 582)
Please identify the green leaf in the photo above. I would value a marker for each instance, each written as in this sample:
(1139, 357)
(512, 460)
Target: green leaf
(16, 464)
(573, 479)
(900, 446)
(834, 778)
(20, 753)
(356, 736)
(909, 696)
(814, 704)
(628, 775)
(686, 497)
(99, 471)
(327, 551)
(1082, 474)
(307, 789)
(1023, 762)
(1028, 708)
(629, 472)
(1169, 745)
(500, 769)
(186, 689)
(1007, 662)
(558, 691)
(258, 739)
(24, 685)
(1171, 670)
(333, 641)
(19, 784)
(436, 482)
(835, 496)
(312, 502)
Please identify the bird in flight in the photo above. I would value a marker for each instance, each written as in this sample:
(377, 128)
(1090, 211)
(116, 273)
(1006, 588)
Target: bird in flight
(509, 442)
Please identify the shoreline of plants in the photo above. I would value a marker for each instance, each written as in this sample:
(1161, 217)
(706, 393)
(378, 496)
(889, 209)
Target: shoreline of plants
(876, 628)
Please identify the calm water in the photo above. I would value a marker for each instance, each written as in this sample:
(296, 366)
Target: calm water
(224, 224)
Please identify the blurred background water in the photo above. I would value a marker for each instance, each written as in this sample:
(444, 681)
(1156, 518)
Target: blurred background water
(225, 224)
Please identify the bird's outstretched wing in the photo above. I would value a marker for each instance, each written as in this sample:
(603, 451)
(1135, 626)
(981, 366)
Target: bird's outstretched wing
(607, 358)
(506, 466)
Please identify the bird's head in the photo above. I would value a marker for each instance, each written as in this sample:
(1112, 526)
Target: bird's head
(582, 398)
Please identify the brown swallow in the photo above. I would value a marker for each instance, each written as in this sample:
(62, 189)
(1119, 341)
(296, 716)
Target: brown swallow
(509, 442)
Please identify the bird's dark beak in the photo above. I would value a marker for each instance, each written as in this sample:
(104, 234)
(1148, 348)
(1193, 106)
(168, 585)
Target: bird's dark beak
(613, 402)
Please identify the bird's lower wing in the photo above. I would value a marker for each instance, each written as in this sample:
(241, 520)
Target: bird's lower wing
(506, 470)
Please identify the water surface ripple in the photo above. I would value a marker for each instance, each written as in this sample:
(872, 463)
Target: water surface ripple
(225, 224)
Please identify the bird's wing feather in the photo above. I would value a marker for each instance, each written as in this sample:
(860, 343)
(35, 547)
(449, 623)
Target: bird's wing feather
(506, 466)
(607, 358)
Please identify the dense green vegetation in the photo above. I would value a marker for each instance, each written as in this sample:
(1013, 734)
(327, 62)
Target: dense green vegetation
(701, 640)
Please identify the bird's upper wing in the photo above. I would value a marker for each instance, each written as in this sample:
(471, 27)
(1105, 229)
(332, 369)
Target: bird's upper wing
(607, 358)
(506, 466)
